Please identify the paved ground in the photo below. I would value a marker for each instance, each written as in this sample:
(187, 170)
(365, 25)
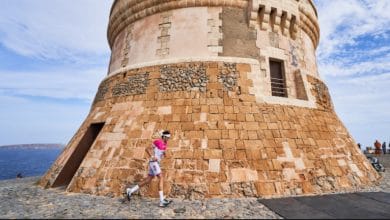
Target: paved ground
(374, 205)
(21, 198)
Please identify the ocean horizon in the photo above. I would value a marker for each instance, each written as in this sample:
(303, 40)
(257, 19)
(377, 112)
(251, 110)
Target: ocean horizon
(27, 162)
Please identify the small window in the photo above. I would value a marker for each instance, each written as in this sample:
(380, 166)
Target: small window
(278, 82)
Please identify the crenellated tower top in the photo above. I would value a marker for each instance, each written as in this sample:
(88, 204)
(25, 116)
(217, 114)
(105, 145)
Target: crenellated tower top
(143, 33)
(285, 15)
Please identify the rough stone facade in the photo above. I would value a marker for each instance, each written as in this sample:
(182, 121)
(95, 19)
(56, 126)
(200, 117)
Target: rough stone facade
(183, 78)
(134, 85)
(230, 136)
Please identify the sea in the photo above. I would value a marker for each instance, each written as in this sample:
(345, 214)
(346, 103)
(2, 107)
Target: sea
(27, 162)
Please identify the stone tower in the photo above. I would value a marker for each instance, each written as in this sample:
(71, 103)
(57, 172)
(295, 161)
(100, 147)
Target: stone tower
(236, 83)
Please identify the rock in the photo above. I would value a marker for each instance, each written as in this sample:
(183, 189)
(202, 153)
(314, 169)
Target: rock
(183, 78)
(180, 210)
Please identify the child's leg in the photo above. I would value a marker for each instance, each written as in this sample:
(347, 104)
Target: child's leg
(163, 201)
(161, 187)
(161, 182)
(145, 181)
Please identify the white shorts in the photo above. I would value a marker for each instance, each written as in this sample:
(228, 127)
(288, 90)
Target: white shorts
(154, 168)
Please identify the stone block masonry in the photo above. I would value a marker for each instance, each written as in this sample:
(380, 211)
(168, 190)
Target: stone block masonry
(212, 72)
(164, 38)
(320, 91)
(224, 144)
(127, 47)
(215, 34)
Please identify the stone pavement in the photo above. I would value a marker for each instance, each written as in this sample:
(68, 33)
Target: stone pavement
(374, 205)
(21, 198)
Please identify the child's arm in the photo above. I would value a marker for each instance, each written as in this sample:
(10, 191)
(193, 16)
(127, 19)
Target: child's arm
(150, 151)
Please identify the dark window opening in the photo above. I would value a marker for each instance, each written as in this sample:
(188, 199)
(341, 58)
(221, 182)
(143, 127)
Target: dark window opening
(78, 155)
(261, 16)
(272, 18)
(283, 22)
(278, 82)
(293, 27)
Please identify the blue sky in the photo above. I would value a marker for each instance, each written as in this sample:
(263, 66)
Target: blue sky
(54, 53)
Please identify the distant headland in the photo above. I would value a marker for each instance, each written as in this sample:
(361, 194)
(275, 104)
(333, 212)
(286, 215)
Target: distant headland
(33, 146)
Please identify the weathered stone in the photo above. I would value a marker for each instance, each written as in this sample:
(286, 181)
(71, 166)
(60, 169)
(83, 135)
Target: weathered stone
(228, 76)
(135, 85)
(209, 83)
(183, 78)
(103, 89)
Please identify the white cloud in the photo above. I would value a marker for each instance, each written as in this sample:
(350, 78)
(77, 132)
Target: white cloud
(55, 29)
(348, 66)
(362, 104)
(353, 58)
(342, 22)
(356, 71)
(64, 44)
(60, 84)
(26, 121)
(365, 91)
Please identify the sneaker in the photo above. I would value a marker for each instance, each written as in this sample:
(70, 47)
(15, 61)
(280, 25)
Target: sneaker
(167, 201)
(164, 203)
(128, 194)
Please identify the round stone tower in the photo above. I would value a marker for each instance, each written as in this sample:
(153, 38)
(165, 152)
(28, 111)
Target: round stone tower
(236, 83)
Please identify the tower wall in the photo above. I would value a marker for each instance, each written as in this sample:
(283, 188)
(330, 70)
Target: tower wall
(201, 69)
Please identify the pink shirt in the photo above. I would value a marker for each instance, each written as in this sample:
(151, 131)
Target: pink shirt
(159, 148)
